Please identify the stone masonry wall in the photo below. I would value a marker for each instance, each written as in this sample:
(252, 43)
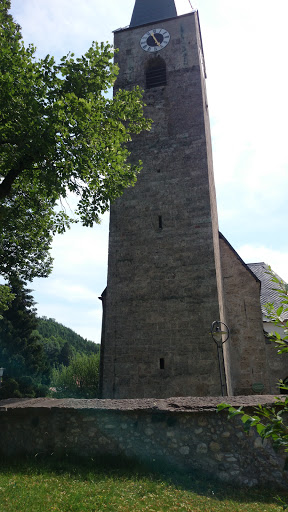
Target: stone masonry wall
(179, 433)
(163, 272)
(244, 317)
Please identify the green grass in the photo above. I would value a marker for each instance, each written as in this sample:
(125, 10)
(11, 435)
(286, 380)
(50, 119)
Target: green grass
(67, 485)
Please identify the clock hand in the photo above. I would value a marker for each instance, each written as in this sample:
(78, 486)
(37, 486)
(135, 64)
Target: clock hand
(156, 41)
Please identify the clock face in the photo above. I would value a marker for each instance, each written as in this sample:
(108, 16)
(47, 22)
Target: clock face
(155, 40)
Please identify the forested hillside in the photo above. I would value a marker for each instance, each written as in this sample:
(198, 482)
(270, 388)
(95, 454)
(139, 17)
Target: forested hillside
(22, 355)
(61, 343)
(35, 352)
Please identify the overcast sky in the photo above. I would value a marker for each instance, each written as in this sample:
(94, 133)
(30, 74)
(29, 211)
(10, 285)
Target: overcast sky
(245, 46)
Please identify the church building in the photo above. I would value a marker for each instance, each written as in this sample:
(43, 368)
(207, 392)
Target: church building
(171, 276)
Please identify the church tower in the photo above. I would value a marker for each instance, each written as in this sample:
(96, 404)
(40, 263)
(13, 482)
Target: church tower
(164, 276)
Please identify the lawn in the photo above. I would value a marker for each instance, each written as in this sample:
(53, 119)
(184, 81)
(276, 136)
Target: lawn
(66, 485)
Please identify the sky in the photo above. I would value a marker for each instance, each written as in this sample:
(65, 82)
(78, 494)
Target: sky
(245, 47)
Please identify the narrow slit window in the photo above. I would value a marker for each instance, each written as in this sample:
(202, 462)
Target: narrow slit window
(162, 363)
(160, 225)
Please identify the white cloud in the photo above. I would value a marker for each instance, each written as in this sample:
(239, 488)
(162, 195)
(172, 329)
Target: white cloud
(86, 247)
(183, 6)
(257, 253)
(247, 83)
(59, 289)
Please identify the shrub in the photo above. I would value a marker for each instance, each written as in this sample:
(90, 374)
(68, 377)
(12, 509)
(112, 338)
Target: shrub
(78, 380)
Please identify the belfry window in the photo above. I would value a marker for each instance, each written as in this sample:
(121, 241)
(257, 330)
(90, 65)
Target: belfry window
(156, 73)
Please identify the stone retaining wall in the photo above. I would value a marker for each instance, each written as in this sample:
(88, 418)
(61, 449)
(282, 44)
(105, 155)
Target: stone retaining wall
(179, 433)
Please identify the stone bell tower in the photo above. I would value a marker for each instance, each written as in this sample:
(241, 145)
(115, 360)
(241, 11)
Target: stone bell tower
(164, 277)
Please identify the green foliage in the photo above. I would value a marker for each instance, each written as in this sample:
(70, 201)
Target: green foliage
(270, 422)
(75, 361)
(31, 347)
(48, 328)
(21, 352)
(23, 387)
(59, 134)
(65, 354)
(27, 225)
(52, 347)
(78, 380)
(6, 298)
(54, 336)
(279, 316)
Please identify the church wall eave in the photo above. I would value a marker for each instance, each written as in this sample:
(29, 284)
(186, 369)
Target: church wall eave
(221, 236)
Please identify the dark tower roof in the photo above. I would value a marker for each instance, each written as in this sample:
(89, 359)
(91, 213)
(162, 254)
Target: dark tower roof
(146, 11)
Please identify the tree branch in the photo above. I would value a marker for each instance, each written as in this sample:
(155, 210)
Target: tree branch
(6, 184)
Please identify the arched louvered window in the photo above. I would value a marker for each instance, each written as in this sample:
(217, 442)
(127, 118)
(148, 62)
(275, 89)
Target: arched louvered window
(156, 73)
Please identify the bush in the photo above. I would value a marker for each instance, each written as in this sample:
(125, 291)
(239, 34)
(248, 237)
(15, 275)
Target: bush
(78, 380)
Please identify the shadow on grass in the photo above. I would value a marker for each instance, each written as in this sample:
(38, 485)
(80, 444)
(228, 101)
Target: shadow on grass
(122, 468)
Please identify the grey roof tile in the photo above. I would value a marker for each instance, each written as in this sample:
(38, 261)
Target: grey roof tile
(268, 293)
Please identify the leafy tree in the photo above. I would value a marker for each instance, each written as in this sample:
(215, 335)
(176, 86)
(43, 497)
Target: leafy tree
(59, 134)
(5, 298)
(26, 234)
(52, 347)
(78, 380)
(21, 352)
(65, 354)
(277, 316)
